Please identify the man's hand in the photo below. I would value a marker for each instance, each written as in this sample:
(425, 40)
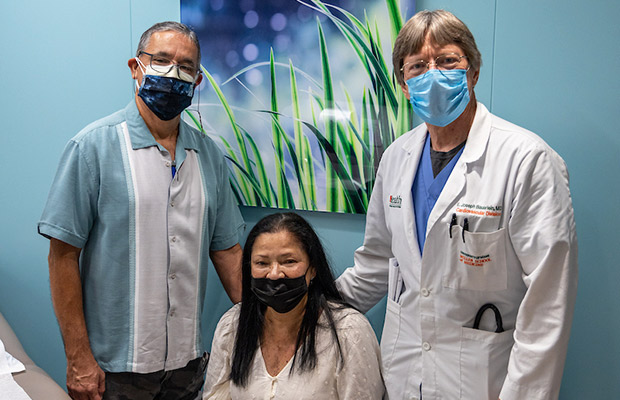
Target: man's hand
(85, 380)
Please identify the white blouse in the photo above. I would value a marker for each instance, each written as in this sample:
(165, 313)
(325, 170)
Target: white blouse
(359, 378)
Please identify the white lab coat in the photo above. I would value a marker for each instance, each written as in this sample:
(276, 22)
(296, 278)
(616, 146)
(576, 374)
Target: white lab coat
(520, 253)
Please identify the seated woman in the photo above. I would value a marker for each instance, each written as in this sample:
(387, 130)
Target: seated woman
(292, 336)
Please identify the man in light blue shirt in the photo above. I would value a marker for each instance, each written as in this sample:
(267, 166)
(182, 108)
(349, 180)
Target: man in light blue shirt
(139, 204)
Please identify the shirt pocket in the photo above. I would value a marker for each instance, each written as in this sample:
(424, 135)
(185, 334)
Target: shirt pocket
(483, 362)
(477, 260)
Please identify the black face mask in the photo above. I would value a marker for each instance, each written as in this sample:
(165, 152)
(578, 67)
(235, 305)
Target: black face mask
(281, 294)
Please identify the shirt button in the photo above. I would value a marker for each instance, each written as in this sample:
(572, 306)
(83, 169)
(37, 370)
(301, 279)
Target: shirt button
(172, 313)
(425, 292)
(173, 276)
(173, 239)
(167, 163)
(426, 346)
(172, 204)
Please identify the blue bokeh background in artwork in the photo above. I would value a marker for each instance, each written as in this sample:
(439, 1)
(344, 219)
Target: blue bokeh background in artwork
(235, 35)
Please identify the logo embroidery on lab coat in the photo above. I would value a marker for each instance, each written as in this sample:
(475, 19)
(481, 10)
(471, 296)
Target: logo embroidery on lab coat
(395, 201)
(474, 261)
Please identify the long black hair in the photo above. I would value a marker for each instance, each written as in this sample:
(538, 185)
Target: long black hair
(321, 290)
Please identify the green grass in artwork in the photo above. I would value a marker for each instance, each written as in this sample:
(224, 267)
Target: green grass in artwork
(349, 149)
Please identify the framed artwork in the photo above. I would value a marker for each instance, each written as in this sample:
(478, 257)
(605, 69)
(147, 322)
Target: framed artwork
(300, 96)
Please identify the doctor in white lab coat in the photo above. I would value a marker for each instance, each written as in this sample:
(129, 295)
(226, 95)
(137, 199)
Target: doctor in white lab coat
(467, 210)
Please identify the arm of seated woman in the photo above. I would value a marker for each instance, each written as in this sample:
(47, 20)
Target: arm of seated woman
(360, 378)
(217, 382)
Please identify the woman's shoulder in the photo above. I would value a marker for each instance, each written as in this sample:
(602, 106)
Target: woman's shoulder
(228, 322)
(354, 331)
(346, 317)
(232, 313)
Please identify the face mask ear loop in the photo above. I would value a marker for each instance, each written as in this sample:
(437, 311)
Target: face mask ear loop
(311, 279)
(202, 129)
(142, 68)
(141, 65)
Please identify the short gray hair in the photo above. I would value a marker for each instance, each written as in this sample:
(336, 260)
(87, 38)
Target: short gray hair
(443, 28)
(168, 26)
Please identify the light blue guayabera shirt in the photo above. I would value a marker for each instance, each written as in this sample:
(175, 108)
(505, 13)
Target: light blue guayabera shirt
(145, 237)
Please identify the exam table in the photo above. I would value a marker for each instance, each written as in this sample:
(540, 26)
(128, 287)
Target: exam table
(35, 382)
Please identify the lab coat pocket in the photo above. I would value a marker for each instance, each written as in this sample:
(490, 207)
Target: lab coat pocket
(484, 362)
(395, 281)
(391, 331)
(477, 260)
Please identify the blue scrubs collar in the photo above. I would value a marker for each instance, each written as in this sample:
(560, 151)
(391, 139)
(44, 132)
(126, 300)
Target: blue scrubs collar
(426, 189)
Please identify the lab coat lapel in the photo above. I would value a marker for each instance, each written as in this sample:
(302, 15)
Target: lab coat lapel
(413, 148)
(473, 151)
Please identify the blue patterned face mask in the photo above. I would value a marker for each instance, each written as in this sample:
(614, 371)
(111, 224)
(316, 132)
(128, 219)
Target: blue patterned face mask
(439, 97)
(165, 96)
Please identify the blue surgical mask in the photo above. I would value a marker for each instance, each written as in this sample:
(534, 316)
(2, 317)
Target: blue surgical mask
(164, 95)
(439, 97)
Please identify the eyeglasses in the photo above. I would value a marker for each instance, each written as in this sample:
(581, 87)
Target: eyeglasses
(443, 62)
(165, 65)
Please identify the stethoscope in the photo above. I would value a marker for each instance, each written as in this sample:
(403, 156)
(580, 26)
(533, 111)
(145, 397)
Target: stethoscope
(498, 317)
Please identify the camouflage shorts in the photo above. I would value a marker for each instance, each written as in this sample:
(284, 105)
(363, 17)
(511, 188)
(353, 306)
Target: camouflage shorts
(179, 384)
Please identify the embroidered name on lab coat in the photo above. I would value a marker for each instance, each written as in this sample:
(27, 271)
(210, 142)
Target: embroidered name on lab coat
(477, 209)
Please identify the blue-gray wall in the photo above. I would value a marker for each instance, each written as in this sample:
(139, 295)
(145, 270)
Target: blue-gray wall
(64, 64)
(548, 66)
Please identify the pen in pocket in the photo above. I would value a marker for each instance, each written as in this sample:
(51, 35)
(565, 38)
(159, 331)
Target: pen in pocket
(465, 228)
